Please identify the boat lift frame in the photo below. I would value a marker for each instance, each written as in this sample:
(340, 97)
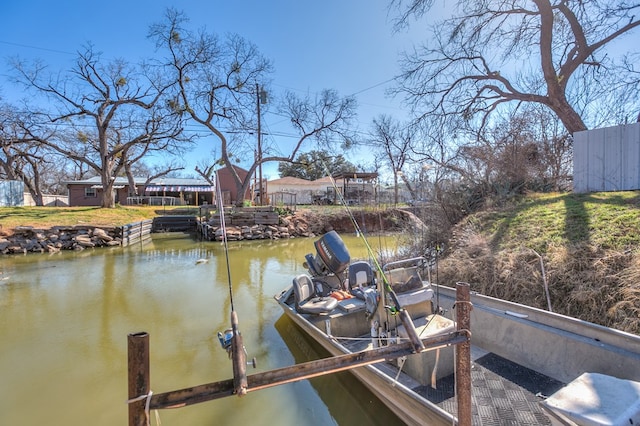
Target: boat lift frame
(141, 400)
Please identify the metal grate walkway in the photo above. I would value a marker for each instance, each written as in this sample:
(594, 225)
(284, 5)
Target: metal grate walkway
(503, 393)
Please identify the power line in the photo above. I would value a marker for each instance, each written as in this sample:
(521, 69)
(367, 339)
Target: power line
(36, 47)
(374, 86)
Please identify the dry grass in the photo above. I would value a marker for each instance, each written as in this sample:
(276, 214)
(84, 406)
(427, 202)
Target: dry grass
(589, 246)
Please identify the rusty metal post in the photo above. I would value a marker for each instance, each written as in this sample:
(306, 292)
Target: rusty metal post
(463, 355)
(138, 370)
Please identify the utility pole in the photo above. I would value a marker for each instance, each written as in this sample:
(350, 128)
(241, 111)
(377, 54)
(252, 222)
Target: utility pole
(261, 98)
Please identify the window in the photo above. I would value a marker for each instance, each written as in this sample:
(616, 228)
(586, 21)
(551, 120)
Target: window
(90, 193)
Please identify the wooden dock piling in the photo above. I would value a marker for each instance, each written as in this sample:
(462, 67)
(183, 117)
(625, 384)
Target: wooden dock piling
(463, 355)
(138, 372)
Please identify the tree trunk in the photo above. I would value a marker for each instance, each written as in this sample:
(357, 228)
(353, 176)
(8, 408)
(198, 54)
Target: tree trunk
(395, 188)
(133, 189)
(107, 190)
(556, 85)
(569, 117)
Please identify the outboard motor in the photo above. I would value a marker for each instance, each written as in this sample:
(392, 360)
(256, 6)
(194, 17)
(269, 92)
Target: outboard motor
(332, 256)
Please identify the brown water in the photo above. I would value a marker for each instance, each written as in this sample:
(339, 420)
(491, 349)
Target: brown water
(64, 320)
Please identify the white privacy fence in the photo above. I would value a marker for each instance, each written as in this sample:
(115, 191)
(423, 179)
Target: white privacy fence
(607, 159)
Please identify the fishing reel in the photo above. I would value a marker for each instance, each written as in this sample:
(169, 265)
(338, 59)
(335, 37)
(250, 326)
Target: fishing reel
(226, 338)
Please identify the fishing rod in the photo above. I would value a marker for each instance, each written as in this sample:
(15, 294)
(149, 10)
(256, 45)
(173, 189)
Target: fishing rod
(397, 308)
(231, 340)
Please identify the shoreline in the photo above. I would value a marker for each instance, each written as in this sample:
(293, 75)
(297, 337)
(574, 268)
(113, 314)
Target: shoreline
(301, 224)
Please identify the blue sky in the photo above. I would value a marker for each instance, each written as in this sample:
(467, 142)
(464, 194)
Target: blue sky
(348, 45)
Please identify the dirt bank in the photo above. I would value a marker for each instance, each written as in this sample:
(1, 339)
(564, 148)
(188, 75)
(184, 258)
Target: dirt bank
(321, 220)
(312, 222)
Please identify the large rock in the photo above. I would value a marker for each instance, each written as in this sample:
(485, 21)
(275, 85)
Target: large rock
(101, 235)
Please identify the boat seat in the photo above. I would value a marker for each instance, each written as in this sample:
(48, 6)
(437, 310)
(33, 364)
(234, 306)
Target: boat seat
(595, 399)
(414, 297)
(359, 277)
(307, 301)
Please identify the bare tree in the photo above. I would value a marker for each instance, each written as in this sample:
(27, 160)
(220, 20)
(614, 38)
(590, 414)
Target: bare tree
(549, 52)
(395, 142)
(109, 116)
(217, 81)
(524, 149)
(631, 83)
(22, 157)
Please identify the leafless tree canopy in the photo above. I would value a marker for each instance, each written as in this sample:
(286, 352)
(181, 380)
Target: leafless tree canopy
(557, 53)
(106, 115)
(394, 142)
(218, 81)
(21, 156)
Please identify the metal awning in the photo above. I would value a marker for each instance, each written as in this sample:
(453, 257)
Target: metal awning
(100, 186)
(179, 188)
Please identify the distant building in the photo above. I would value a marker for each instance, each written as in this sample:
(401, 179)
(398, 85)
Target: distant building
(358, 187)
(228, 185)
(161, 191)
(292, 190)
(355, 188)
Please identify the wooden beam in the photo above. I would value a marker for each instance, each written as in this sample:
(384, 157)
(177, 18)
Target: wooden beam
(304, 371)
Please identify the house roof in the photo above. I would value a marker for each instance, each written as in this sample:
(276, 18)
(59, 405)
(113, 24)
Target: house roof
(356, 175)
(325, 180)
(163, 181)
(290, 180)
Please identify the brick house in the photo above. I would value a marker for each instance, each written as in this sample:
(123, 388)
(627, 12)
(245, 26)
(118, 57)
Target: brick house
(161, 191)
(228, 185)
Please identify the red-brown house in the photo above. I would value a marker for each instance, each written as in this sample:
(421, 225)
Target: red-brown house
(161, 191)
(228, 185)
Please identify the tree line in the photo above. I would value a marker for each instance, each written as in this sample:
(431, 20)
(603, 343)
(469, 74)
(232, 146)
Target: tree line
(496, 90)
(106, 117)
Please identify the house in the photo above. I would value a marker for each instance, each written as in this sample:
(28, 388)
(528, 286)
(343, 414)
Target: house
(291, 190)
(161, 191)
(228, 185)
(357, 188)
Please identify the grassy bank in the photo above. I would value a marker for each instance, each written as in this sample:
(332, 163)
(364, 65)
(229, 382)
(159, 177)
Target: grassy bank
(47, 217)
(585, 247)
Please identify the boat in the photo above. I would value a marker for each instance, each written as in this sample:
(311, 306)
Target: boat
(527, 366)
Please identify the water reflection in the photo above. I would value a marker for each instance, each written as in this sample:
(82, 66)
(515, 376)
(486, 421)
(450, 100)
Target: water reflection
(65, 317)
